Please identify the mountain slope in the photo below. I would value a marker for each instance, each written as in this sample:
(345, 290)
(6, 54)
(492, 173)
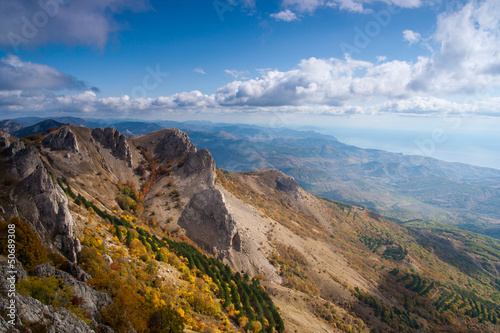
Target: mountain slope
(165, 234)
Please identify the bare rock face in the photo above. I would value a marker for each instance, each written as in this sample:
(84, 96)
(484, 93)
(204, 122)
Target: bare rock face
(93, 300)
(112, 139)
(174, 145)
(42, 202)
(14, 148)
(25, 161)
(210, 224)
(287, 184)
(5, 139)
(200, 163)
(196, 168)
(63, 139)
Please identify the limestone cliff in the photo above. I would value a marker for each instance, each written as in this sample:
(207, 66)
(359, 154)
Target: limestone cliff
(208, 221)
(42, 203)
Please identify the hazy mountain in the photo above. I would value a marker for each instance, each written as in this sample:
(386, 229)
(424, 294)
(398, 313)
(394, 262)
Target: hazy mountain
(149, 234)
(400, 186)
(42, 126)
(131, 128)
(10, 126)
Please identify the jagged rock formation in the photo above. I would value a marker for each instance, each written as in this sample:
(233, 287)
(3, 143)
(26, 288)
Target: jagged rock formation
(14, 148)
(112, 139)
(25, 160)
(93, 300)
(5, 139)
(209, 223)
(30, 311)
(42, 203)
(174, 145)
(63, 139)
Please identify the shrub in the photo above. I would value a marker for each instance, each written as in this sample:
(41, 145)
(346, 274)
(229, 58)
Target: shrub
(29, 249)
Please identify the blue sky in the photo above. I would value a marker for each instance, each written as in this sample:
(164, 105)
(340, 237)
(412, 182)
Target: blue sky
(381, 63)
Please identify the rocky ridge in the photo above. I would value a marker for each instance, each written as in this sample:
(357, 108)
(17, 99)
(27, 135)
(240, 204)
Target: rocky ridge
(42, 203)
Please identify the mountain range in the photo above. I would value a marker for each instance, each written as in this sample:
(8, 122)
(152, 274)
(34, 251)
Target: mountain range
(148, 233)
(402, 187)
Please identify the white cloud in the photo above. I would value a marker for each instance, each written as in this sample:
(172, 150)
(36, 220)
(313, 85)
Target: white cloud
(467, 65)
(26, 23)
(19, 75)
(357, 6)
(285, 15)
(235, 73)
(411, 36)
(199, 71)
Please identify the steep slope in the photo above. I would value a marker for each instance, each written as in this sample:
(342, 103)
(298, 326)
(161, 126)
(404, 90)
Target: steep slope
(354, 258)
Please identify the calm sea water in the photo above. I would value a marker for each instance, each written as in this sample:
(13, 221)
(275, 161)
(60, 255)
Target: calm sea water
(481, 149)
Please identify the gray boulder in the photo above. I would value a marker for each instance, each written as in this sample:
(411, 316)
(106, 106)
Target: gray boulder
(5, 139)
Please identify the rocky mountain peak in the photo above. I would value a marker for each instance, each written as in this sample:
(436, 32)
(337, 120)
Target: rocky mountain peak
(174, 144)
(62, 139)
(112, 139)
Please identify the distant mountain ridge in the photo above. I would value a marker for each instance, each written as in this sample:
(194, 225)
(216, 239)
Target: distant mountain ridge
(399, 186)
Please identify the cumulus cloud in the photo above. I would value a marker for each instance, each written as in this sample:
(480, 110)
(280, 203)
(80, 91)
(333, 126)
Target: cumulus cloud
(466, 64)
(25, 23)
(285, 15)
(411, 36)
(16, 74)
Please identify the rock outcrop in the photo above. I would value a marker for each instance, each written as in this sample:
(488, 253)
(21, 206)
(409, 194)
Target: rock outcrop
(5, 139)
(287, 184)
(63, 139)
(174, 145)
(25, 160)
(14, 148)
(42, 203)
(208, 221)
(93, 301)
(115, 141)
(31, 312)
